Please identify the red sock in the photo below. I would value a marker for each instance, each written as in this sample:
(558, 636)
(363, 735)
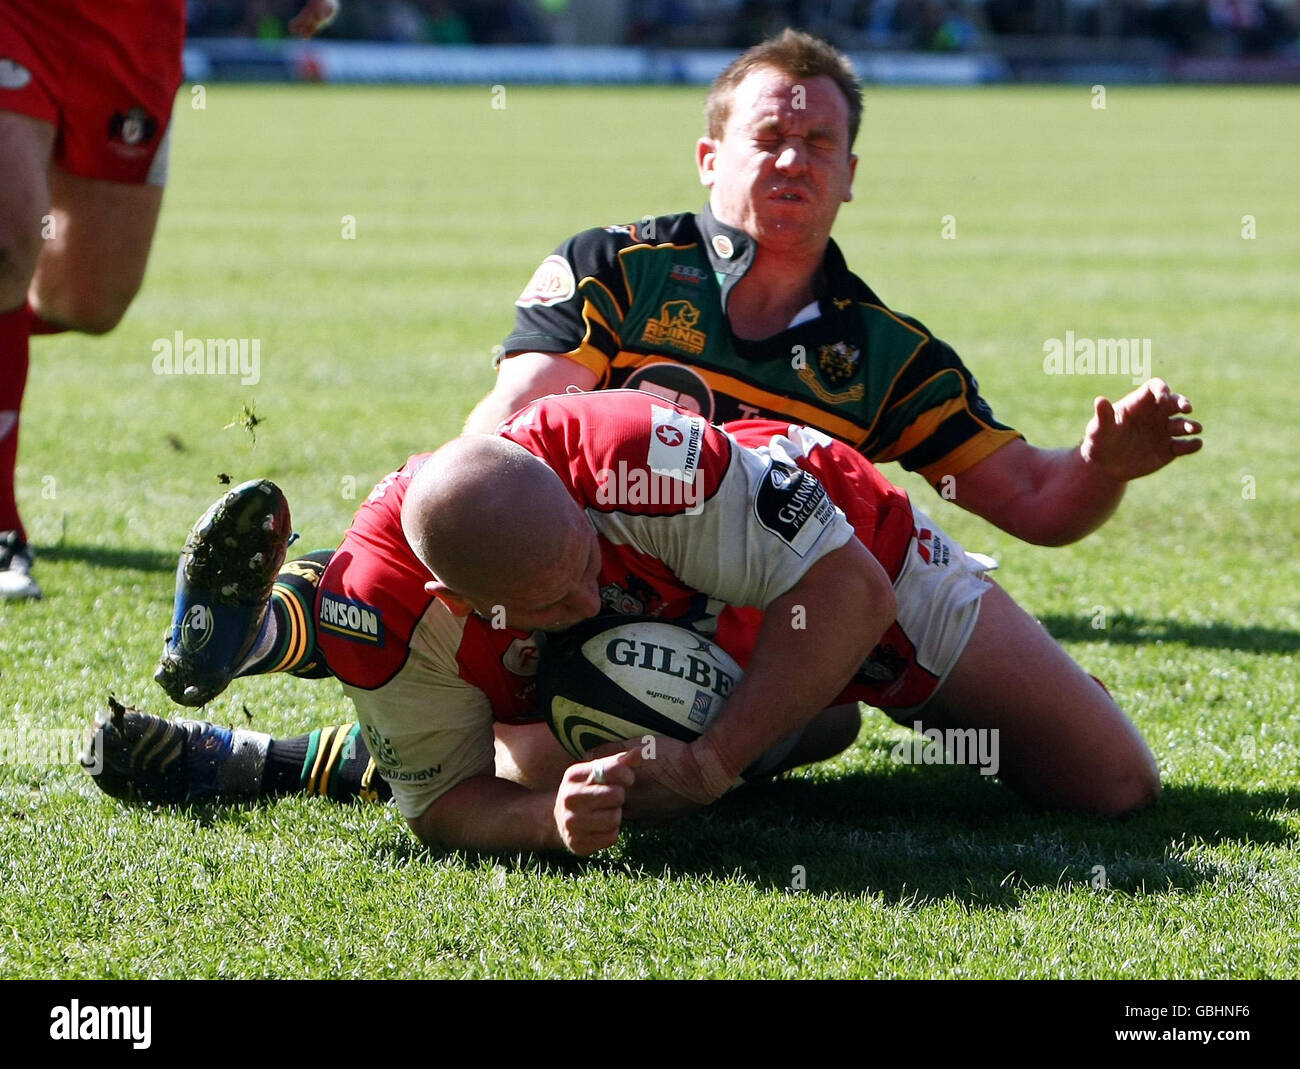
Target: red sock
(14, 332)
(37, 325)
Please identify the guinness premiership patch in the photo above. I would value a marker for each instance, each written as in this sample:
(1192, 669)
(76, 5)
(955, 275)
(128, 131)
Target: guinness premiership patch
(793, 505)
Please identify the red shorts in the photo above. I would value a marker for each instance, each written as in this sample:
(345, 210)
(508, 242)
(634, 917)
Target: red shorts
(104, 73)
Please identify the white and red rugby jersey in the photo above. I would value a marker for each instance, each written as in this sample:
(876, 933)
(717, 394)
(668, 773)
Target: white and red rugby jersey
(691, 518)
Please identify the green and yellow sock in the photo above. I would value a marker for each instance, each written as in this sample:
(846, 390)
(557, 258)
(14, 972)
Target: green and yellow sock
(332, 762)
(288, 639)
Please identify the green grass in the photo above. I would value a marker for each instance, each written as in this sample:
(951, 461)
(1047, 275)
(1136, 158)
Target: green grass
(1125, 222)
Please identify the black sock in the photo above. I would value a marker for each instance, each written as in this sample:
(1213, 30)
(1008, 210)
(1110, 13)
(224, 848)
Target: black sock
(283, 769)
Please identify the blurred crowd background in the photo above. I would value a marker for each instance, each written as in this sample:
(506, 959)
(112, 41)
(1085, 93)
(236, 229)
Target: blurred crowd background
(1225, 28)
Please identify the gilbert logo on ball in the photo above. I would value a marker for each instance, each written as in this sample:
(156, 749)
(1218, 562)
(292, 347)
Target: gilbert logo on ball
(616, 678)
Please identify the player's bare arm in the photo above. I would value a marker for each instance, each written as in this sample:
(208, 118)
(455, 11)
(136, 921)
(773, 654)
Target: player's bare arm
(314, 17)
(489, 813)
(847, 602)
(1053, 497)
(526, 377)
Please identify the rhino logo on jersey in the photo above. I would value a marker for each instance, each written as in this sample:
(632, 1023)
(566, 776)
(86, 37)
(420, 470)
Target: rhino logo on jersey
(675, 328)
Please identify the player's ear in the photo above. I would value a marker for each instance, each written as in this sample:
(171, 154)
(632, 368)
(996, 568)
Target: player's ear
(853, 172)
(706, 151)
(458, 605)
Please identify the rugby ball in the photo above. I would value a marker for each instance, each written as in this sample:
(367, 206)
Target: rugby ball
(619, 677)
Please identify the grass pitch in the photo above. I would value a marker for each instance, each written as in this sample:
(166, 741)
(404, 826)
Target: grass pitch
(1126, 222)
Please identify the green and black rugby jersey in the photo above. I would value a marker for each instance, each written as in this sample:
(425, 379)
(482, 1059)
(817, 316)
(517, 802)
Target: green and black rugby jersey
(644, 306)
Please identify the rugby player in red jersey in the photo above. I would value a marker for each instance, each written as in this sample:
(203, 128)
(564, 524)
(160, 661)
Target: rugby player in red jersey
(86, 91)
(427, 613)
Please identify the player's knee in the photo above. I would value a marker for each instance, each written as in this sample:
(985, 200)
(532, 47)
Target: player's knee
(96, 321)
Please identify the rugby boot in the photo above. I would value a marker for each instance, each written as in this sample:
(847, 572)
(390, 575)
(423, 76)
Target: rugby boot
(135, 756)
(16, 567)
(223, 587)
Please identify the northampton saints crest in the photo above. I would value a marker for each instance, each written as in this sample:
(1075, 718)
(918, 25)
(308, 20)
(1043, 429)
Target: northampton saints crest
(838, 362)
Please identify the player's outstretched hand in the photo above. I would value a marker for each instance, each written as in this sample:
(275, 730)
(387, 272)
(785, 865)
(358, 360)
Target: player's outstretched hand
(314, 17)
(1141, 432)
(589, 803)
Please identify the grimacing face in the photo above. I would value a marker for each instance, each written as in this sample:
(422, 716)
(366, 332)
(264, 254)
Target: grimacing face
(782, 167)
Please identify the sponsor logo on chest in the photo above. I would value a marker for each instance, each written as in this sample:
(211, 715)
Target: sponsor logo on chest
(674, 328)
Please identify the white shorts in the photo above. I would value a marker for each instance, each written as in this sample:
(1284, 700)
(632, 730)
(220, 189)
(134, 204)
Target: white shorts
(938, 592)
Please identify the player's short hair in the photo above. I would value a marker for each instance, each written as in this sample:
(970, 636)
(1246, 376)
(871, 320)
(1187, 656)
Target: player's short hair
(793, 52)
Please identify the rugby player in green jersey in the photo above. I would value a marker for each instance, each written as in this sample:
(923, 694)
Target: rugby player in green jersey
(748, 309)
